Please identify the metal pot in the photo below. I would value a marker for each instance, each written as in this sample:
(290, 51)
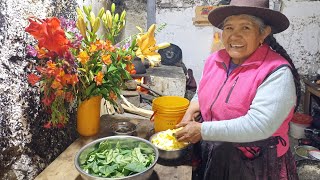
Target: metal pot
(302, 151)
(170, 154)
(139, 176)
(308, 169)
(123, 128)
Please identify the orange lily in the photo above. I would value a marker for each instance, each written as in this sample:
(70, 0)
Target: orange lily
(93, 48)
(106, 58)
(113, 96)
(56, 85)
(99, 78)
(83, 57)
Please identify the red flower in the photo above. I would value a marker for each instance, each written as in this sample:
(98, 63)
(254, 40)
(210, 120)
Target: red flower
(60, 125)
(33, 79)
(49, 34)
(74, 79)
(69, 97)
(40, 69)
(47, 125)
(47, 100)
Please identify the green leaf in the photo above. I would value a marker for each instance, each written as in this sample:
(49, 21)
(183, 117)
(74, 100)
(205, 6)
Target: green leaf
(96, 91)
(104, 92)
(135, 167)
(68, 35)
(101, 156)
(82, 69)
(91, 75)
(145, 148)
(112, 68)
(139, 155)
(95, 167)
(84, 155)
(123, 66)
(91, 158)
(90, 88)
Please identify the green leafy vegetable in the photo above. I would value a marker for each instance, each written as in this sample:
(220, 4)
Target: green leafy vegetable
(117, 158)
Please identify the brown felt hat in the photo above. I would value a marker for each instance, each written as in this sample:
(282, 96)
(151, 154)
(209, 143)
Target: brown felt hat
(259, 8)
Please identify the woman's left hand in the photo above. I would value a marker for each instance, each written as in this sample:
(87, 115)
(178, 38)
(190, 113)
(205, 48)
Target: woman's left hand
(190, 133)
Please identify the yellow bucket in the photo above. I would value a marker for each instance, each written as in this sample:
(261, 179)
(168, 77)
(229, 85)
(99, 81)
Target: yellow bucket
(168, 111)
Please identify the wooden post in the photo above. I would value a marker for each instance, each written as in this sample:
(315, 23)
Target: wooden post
(151, 12)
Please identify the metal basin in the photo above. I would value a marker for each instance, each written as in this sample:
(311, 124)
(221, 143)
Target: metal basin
(170, 154)
(144, 175)
(308, 169)
(303, 150)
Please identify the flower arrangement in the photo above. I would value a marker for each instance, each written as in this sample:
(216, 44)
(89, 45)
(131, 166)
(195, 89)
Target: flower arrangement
(74, 63)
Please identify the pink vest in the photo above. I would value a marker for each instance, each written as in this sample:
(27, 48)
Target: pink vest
(224, 98)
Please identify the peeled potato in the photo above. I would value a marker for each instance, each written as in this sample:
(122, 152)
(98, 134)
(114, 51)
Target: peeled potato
(167, 141)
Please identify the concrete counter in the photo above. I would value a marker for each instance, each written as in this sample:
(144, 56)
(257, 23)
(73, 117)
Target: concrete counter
(63, 167)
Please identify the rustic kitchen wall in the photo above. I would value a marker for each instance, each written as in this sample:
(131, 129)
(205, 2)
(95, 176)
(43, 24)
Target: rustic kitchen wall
(302, 38)
(26, 147)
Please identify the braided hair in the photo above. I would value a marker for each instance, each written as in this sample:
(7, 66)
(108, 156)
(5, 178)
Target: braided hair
(272, 42)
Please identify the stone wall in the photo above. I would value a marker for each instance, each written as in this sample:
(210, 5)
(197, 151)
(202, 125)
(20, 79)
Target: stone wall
(26, 147)
(302, 38)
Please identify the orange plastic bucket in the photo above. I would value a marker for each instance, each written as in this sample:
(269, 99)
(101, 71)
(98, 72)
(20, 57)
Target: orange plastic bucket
(168, 111)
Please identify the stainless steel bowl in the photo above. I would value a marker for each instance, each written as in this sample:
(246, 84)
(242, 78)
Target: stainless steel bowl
(123, 128)
(91, 146)
(170, 154)
(303, 151)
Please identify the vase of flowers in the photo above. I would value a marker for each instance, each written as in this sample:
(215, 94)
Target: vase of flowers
(75, 66)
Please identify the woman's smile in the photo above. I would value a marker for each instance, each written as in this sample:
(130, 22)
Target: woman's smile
(236, 46)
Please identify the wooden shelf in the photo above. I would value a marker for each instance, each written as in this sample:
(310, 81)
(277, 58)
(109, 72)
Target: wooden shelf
(201, 15)
(311, 89)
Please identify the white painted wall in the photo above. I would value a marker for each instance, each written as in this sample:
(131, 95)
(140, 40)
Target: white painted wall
(195, 42)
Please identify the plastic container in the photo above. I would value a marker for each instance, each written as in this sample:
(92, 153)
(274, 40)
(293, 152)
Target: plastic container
(168, 111)
(297, 125)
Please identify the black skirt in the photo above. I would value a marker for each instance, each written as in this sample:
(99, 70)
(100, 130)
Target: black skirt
(224, 161)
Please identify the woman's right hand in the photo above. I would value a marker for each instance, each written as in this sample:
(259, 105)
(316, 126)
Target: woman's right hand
(190, 116)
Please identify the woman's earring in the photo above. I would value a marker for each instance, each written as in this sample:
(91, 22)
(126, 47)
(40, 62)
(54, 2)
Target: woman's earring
(260, 43)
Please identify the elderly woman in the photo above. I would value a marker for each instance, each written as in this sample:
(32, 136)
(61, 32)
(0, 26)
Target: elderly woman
(247, 96)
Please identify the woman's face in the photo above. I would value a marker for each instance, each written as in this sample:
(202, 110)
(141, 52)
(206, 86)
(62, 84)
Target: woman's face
(241, 36)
